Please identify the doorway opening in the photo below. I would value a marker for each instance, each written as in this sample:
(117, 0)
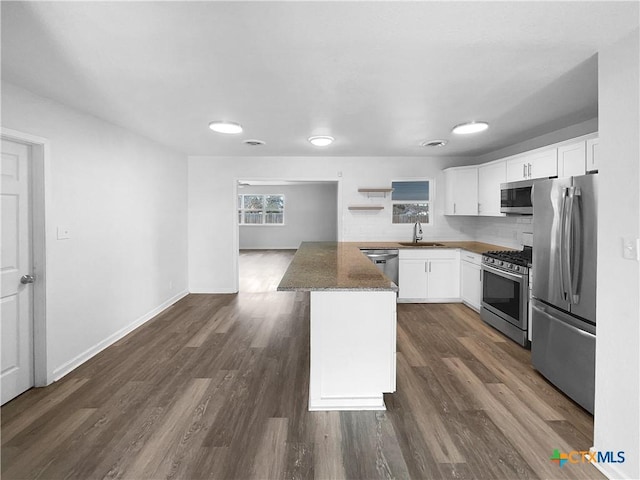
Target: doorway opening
(273, 218)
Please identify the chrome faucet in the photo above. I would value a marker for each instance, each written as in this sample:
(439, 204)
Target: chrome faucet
(417, 232)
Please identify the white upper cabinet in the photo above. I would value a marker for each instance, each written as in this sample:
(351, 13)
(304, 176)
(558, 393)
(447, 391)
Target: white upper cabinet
(572, 159)
(490, 176)
(537, 164)
(592, 154)
(517, 169)
(461, 191)
(475, 190)
(543, 164)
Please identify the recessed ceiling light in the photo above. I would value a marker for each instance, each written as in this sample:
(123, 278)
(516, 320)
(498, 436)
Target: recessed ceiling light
(321, 140)
(222, 126)
(434, 143)
(254, 142)
(470, 127)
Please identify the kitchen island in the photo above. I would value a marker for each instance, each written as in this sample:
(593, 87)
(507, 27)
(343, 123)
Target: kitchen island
(353, 326)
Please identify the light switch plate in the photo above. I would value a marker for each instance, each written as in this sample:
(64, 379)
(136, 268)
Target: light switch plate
(631, 248)
(64, 233)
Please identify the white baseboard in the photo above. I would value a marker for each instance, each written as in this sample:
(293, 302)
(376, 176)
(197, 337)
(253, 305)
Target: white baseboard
(293, 247)
(430, 300)
(78, 360)
(213, 292)
(604, 470)
(609, 470)
(471, 306)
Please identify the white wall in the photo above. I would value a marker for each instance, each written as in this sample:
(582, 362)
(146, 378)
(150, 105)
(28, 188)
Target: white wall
(617, 407)
(212, 205)
(124, 199)
(310, 215)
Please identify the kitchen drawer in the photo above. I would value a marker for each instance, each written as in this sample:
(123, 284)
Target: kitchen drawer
(471, 257)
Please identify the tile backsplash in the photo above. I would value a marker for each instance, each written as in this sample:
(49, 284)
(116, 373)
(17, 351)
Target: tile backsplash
(502, 231)
(506, 231)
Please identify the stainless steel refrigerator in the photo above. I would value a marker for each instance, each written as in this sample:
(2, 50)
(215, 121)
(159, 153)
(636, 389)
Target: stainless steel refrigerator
(563, 341)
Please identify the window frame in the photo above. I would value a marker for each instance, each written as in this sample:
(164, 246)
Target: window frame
(430, 202)
(241, 210)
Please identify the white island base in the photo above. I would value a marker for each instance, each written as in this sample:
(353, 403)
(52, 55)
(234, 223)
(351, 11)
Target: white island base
(353, 349)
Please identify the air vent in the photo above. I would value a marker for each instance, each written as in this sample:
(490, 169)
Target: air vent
(434, 143)
(253, 142)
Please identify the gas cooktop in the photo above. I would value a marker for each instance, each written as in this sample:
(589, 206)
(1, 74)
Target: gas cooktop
(516, 260)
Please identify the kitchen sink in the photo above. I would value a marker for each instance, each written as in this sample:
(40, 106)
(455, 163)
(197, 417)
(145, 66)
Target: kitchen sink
(422, 244)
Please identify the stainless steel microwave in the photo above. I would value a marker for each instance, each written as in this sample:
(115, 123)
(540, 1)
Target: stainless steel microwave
(515, 197)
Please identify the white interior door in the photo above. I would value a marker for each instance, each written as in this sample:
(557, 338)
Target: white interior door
(16, 304)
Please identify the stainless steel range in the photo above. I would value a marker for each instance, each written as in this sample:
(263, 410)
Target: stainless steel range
(505, 292)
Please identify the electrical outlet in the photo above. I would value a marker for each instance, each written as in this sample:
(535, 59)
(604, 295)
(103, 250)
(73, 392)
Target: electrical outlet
(631, 248)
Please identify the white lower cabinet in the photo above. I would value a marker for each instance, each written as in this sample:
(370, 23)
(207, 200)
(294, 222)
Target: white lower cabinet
(412, 278)
(429, 275)
(471, 279)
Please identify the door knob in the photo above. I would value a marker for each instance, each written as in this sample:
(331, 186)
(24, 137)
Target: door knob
(27, 279)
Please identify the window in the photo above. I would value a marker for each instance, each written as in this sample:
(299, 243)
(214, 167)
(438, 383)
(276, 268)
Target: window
(410, 202)
(256, 209)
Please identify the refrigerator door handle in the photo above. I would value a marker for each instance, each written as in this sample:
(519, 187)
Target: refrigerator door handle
(564, 254)
(575, 244)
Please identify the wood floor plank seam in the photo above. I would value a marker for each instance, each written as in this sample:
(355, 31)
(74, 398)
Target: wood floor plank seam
(13, 426)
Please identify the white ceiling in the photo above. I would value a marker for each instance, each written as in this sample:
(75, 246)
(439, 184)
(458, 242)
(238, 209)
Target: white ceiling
(379, 76)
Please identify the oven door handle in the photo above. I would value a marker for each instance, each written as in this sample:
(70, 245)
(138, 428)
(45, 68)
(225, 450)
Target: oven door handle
(502, 273)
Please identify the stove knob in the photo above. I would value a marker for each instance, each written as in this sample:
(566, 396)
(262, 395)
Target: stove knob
(500, 262)
(508, 265)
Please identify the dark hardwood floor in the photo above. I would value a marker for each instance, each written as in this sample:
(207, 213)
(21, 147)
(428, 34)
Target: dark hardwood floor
(216, 387)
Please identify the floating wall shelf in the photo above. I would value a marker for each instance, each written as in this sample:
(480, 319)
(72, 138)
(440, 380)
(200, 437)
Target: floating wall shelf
(366, 207)
(373, 191)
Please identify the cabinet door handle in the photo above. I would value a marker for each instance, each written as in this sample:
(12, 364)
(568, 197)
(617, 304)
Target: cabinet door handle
(529, 170)
(429, 267)
(454, 208)
(480, 276)
(524, 170)
(425, 267)
(478, 208)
